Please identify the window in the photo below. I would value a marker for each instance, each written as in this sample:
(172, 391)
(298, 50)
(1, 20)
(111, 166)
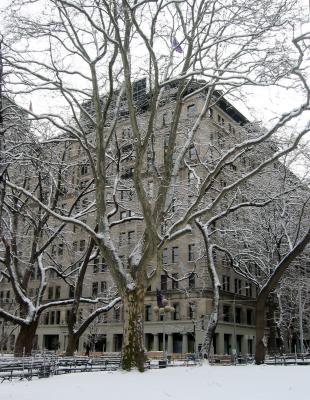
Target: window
(103, 286)
(173, 205)
(191, 281)
(150, 158)
(80, 317)
(148, 313)
(83, 184)
(57, 317)
(50, 293)
(175, 254)
(96, 265)
(103, 266)
(238, 315)
(175, 284)
(226, 313)
(71, 292)
(130, 237)
(248, 290)
(57, 292)
(191, 109)
(165, 119)
(174, 157)
(122, 238)
(84, 169)
(52, 317)
(249, 316)
(226, 283)
(95, 289)
(238, 285)
(46, 318)
(32, 275)
(163, 282)
(60, 249)
(192, 311)
(82, 245)
(225, 262)
(192, 153)
(191, 252)
(176, 313)
(117, 314)
(126, 134)
(220, 120)
(165, 256)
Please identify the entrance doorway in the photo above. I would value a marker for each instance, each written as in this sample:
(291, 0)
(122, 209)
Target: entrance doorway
(51, 342)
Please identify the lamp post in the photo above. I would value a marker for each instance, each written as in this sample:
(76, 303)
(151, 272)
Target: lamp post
(164, 311)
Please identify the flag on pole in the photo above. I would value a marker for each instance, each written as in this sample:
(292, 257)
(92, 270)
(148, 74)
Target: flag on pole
(159, 298)
(176, 45)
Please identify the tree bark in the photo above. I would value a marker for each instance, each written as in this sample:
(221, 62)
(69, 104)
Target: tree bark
(25, 339)
(272, 308)
(260, 331)
(212, 324)
(133, 331)
(267, 289)
(72, 345)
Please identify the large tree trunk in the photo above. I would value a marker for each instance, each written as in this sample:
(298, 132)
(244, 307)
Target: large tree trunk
(260, 331)
(270, 285)
(133, 331)
(271, 311)
(25, 339)
(72, 345)
(212, 324)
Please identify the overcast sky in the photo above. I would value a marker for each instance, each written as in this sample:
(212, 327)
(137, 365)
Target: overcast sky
(263, 104)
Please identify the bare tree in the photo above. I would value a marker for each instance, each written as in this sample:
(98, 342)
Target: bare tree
(88, 48)
(277, 236)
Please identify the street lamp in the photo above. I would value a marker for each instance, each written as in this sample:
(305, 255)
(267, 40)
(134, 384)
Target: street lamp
(163, 311)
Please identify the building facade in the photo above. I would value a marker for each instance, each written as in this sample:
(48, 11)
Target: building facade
(180, 330)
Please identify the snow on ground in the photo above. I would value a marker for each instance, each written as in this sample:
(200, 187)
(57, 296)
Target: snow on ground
(178, 383)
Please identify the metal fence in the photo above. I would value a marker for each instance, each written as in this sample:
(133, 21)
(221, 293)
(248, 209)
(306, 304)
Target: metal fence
(45, 365)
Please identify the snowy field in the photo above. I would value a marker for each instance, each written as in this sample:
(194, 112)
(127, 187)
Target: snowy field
(179, 383)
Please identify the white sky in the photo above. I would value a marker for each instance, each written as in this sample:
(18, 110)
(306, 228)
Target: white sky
(264, 104)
